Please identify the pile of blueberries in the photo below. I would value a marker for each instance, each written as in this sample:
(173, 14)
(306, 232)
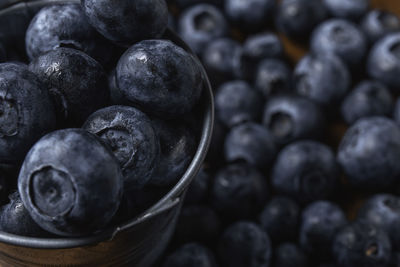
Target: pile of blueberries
(304, 166)
(96, 117)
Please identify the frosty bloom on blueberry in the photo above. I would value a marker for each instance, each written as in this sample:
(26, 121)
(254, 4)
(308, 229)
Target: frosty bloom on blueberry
(76, 81)
(131, 137)
(68, 178)
(125, 22)
(26, 112)
(159, 77)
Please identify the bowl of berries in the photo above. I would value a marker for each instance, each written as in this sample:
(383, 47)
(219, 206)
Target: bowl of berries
(105, 118)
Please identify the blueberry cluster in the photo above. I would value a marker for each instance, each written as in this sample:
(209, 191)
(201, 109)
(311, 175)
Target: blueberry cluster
(304, 165)
(93, 117)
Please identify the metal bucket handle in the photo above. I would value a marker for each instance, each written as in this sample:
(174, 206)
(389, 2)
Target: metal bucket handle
(169, 201)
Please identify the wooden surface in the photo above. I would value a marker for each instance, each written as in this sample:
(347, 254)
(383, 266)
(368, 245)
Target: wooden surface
(295, 52)
(392, 5)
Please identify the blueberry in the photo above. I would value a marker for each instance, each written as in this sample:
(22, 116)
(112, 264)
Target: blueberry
(201, 24)
(237, 102)
(369, 153)
(193, 121)
(191, 254)
(297, 18)
(289, 255)
(249, 15)
(384, 61)
(383, 210)
(377, 23)
(221, 59)
(126, 22)
(368, 98)
(198, 189)
(239, 191)
(26, 112)
(65, 25)
(347, 9)
(15, 219)
(76, 81)
(280, 219)
(160, 77)
(256, 48)
(305, 170)
(132, 139)
(272, 76)
(251, 142)
(362, 244)
(291, 117)
(342, 38)
(178, 145)
(197, 224)
(323, 78)
(69, 178)
(245, 244)
(321, 221)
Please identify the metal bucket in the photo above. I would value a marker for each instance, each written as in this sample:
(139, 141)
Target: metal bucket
(138, 242)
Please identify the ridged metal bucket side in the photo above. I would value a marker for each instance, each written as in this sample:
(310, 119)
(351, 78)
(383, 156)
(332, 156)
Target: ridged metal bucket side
(133, 247)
